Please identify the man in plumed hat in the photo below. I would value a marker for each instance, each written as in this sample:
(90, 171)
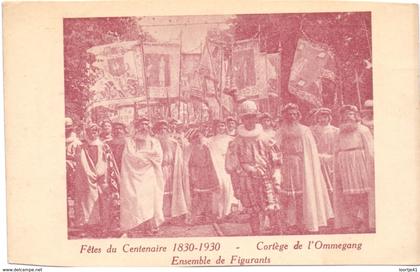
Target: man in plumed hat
(354, 174)
(142, 184)
(325, 135)
(254, 168)
(176, 203)
(304, 196)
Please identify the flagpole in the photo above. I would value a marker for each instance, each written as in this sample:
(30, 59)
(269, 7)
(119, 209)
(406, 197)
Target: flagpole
(179, 76)
(357, 81)
(220, 83)
(144, 81)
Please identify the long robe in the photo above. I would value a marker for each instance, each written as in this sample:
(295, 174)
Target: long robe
(224, 197)
(94, 205)
(325, 137)
(141, 184)
(177, 190)
(354, 172)
(316, 203)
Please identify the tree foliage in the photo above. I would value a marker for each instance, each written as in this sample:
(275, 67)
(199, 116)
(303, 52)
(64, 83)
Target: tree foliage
(81, 34)
(348, 35)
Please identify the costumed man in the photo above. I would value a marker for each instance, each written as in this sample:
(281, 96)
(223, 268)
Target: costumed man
(304, 196)
(118, 142)
(96, 186)
(354, 197)
(203, 178)
(176, 202)
(106, 133)
(367, 115)
(72, 142)
(142, 183)
(325, 135)
(224, 198)
(254, 166)
(231, 125)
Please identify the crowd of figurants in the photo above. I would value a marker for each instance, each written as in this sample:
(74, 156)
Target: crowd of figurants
(283, 177)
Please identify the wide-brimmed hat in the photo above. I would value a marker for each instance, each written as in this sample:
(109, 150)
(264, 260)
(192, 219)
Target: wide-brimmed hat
(248, 107)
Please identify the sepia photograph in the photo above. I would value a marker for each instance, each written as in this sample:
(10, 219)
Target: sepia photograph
(219, 125)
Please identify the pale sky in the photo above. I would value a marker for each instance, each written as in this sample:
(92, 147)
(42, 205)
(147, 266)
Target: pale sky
(194, 29)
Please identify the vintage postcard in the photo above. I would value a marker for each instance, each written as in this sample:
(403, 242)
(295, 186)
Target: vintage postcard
(211, 134)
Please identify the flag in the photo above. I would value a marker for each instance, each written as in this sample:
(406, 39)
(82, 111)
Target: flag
(117, 72)
(312, 63)
(249, 70)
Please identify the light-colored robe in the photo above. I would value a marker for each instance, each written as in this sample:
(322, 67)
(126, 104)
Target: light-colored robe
(224, 197)
(317, 207)
(141, 184)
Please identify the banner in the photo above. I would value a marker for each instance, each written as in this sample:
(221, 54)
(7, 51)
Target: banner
(273, 66)
(249, 70)
(117, 73)
(162, 68)
(311, 64)
(189, 66)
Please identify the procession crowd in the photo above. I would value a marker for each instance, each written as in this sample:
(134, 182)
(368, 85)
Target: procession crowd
(281, 175)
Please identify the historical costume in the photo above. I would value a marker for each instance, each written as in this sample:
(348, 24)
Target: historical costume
(367, 115)
(203, 178)
(303, 194)
(117, 142)
(142, 181)
(354, 197)
(224, 197)
(254, 168)
(72, 142)
(177, 190)
(96, 185)
(325, 135)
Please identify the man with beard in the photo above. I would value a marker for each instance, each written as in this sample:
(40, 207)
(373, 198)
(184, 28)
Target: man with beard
(325, 135)
(142, 183)
(176, 202)
(303, 194)
(367, 115)
(254, 168)
(96, 185)
(218, 144)
(354, 174)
